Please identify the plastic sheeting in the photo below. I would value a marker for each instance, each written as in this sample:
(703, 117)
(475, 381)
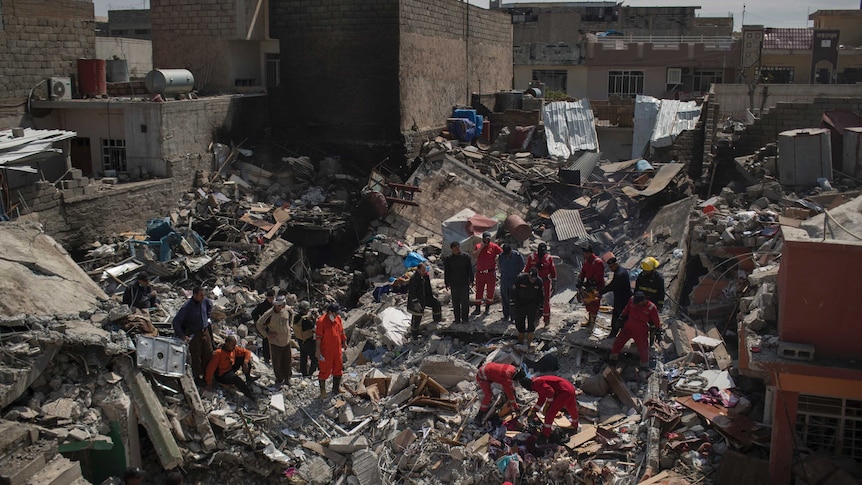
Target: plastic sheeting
(570, 127)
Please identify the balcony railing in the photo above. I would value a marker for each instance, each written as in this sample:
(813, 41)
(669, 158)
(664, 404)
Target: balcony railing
(665, 42)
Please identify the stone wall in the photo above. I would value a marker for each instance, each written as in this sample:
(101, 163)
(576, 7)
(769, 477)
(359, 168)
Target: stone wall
(40, 39)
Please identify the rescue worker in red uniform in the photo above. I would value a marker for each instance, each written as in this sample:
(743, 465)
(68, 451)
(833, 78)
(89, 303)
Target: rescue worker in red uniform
(639, 315)
(591, 281)
(503, 374)
(543, 261)
(331, 341)
(559, 394)
(486, 254)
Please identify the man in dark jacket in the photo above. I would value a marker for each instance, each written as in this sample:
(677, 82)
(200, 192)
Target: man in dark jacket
(140, 295)
(420, 296)
(511, 263)
(651, 282)
(528, 295)
(458, 276)
(303, 332)
(622, 289)
(258, 312)
(192, 325)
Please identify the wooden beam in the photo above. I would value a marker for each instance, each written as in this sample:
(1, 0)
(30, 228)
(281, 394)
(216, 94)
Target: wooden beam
(621, 390)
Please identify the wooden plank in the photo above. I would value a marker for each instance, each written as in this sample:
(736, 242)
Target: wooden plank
(587, 433)
(321, 450)
(621, 390)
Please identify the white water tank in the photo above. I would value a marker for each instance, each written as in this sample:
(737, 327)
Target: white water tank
(804, 156)
(170, 81)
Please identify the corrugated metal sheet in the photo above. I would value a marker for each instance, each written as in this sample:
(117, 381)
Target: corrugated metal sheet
(782, 38)
(585, 164)
(568, 224)
(646, 112)
(674, 117)
(570, 127)
(33, 142)
(658, 183)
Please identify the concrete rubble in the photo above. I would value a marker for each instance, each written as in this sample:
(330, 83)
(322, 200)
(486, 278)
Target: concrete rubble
(72, 389)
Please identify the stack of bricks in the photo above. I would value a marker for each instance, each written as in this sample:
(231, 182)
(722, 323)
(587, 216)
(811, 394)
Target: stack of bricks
(74, 184)
(42, 196)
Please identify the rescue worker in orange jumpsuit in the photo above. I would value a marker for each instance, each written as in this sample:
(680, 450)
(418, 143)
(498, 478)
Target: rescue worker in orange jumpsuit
(639, 315)
(331, 341)
(559, 394)
(486, 254)
(591, 280)
(543, 261)
(503, 374)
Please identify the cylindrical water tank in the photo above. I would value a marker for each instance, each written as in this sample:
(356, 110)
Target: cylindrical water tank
(853, 152)
(519, 229)
(170, 81)
(117, 70)
(91, 77)
(804, 156)
(534, 92)
(508, 100)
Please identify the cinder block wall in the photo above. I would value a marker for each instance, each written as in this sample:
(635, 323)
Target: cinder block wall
(205, 27)
(40, 39)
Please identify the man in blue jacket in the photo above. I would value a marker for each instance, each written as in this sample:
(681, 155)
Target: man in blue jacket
(192, 325)
(511, 263)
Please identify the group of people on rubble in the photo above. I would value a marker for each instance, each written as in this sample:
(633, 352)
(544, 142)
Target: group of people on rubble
(320, 339)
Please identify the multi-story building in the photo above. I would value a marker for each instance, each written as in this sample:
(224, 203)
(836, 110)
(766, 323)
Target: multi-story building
(600, 50)
(131, 24)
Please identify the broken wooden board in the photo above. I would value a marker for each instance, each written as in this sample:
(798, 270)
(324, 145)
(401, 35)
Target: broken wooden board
(620, 389)
(261, 224)
(737, 428)
(322, 451)
(587, 433)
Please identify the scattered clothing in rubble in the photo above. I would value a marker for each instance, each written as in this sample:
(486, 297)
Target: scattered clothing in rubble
(543, 261)
(639, 315)
(458, 276)
(511, 263)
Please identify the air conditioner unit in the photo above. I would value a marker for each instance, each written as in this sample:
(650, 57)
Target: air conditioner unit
(674, 75)
(59, 88)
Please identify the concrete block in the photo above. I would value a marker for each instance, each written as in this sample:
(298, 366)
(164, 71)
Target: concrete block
(348, 444)
(69, 184)
(109, 180)
(90, 189)
(789, 350)
(74, 174)
(68, 194)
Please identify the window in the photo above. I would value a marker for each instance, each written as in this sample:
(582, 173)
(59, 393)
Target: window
(554, 80)
(703, 78)
(521, 16)
(114, 155)
(826, 43)
(830, 425)
(626, 84)
(599, 14)
(776, 75)
(272, 70)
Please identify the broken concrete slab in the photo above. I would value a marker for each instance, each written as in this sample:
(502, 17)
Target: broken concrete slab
(447, 371)
(316, 471)
(348, 444)
(366, 467)
(22, 378)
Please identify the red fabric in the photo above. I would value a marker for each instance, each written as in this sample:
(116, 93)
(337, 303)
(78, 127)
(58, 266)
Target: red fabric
(548, 272)
(593, 271)
(331, 336)
(561, 395)
(485, 284)
(499, 373)
(637, 328)
(487, 257)
(223, 361)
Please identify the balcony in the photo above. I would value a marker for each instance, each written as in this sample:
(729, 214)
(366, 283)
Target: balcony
(662, 42)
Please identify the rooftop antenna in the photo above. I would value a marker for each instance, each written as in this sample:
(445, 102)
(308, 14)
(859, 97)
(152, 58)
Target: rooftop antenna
(743, 14)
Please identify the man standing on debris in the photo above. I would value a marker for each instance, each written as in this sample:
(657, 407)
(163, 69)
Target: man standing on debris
(303, 332)
(331, 342)
(560, 395)
(192, 325)
(226, 361)
(458, 276)
(591, 281)
(639, 315)
(140, 296)
(486, 254)
(275, 324)
(258, 311)
(420, 296)
(528, 296)
(621, 287)
(494, 373)
(651, 282)
(511, 263)
(542, 261)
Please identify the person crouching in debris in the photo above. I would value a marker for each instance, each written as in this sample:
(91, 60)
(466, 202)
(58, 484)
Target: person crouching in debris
(560, 395)
(258, 311)
(637, 317)
(591, 281)
(192, 325)
(528, 295)
(651, 282)
(458, 276)
(303, 332)
(494, 373)
(485, 254)
(140, 296)
(621, 287)
(420, 296)
(331, 341)
(275, 324)
(226, 361)
(543, 261)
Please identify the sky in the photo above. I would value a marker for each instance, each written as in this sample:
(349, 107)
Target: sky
(771, 13)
